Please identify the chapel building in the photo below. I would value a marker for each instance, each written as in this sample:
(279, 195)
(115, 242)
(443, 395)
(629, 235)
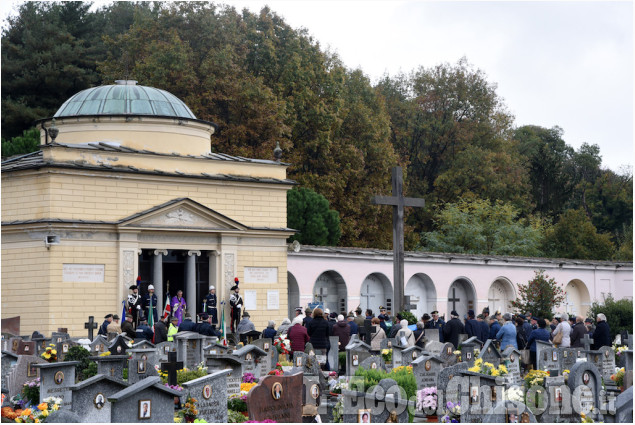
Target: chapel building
(125, 186)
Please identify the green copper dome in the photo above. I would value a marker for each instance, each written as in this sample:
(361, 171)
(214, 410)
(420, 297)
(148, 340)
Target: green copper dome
(124, 98)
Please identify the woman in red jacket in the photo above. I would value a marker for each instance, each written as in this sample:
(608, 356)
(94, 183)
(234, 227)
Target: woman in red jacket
(297, 335)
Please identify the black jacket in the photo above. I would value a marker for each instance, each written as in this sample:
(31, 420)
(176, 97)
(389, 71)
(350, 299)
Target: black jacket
(602, 335)
(205, 328)
(187, 325)
(393, 331)
(472, 328)
(484, 327)
(160, 332)
(577, 333)
(452, 330)
(318, 330)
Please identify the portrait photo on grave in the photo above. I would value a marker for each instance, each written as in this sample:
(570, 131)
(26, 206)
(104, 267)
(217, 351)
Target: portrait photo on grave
(248, 357)
(428, 365)
(141, 366)
(276, 391)
(363, 416)
(207, 391)
(315, 391)
(64, 348)
(99, 401)
(373, 365)
(355, 359)
(26, 348)
(298, 361)
(210, 351)
(474, 395)
(389, 344)
(585, 378)
(414, 355)
(97, 347)
(265, 346)
(512, 358)
(15, 344)
(59, 377)
(119, 349)
(557, 396)
(59, 339)
(493, 393)
(145, 409)
(554, 356)
(166, 349)
(31, 370)
(468, 356)
(512, 415)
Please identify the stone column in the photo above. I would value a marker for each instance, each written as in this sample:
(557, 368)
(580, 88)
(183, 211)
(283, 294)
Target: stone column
(158, 278)
(190, 283)
(213, 269)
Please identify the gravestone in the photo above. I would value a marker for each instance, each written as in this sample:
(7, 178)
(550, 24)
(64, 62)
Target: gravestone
(373, 363)
(483, 392)
(141, 364)
(559, 402)
(624, 407)
(189, 348)
(306, 363)
(333, 355)
(490, 353)
(162, 349)
(276, 397)
(467, 352)
(509, 411)
(607, 356)
(14, 344)
(63, 347)
(210, 393)
(266, 363)
(111, 366)
(144, 343)
(27, 348)
(478, 344)
(462, 339)
(433, 335)
(426, 370)
(311, 397)
(547, 356)
(443, 350)
(171, 367)
(397, 349)
(410, 354)
(356, 352)
(511, 359)
(250, 356)
(118, 346)
(450, 392)
(585, 384)
(216, 348)
(56, 380)
(99, 345)
(57, 337)
(9, 360)
(41, 344)
(90, 398)
(384, 404)
(386, 343)
(146, 401)
(568, 357)
(24, 370)
(91, 325)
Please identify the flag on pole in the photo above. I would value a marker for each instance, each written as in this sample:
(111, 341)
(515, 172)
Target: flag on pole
(151, 315)
(123, 312)
(223, 328)
(168, 308)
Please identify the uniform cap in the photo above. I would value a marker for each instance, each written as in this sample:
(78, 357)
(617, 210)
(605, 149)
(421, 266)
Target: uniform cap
(150, 287)
(133, 287)
(107, 316)
(435, 312)
(234, 287)
(116, 317)
(211, 287)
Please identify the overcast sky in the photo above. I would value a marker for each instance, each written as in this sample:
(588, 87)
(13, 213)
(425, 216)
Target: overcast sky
(565, 63)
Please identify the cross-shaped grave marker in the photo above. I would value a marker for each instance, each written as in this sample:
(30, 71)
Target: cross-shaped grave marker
(627, 340)
(171, 367)
(90, 325)
(398, 202)
(369, 328)
(454, 299)
(587, 341)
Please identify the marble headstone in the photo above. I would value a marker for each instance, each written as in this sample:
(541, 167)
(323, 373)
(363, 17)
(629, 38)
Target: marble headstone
(490, 353)
(211, 394)
(250, 355)
(141, 364)
(23, 371)
(426, 370)
(118, 346)
(111, 366)
(90, 398)
(99, 345)
(276, 397)
(56, 380)
(146, 401)
(585, 384)
(547, 356)
(189, 348)
(511, 359)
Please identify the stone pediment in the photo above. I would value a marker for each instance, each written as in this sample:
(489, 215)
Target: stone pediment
(181, 214)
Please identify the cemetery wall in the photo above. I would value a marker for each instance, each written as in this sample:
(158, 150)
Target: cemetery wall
(25, 196)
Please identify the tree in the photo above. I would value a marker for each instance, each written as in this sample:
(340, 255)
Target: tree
(540, 296)
(619, 314)
(483, 227)
(308, 212)
(574, 236)
(28, 142)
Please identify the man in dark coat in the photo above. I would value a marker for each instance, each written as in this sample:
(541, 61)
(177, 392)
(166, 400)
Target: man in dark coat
(472, 328)
(127, 328)
(352, 324)
(453, 329)
(150, 299)
(395, 327)
(484, 328)
(526, 325)
(307, 317)
(161, 331)
(318, 331)
(343, 330)
(104, 326)
(577, 333)
(236, 305)
(602, 334)
(210, 302)
(206, 327)
(187, 324)
(144, 331)
(134, 305)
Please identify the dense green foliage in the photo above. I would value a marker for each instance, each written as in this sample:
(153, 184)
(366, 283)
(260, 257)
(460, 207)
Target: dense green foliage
(619, 314)
(403, 375)
(309, 214)
(540, 296)
(86, 367)
(411, 318)
(264, 82)
(28, 142)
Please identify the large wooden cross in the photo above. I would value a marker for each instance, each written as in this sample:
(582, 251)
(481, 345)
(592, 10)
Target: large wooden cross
(171, 367)
(398, 203)
(454, 299)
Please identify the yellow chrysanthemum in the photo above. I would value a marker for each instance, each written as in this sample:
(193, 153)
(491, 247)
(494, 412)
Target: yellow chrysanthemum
(474, 369)
(495, 372)
(478, 362)
(53, 351)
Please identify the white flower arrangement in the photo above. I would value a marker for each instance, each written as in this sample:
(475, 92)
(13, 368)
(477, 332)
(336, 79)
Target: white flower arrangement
(515, 394)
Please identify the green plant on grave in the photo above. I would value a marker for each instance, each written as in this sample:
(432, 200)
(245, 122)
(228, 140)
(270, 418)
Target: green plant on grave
(403, 375)
(411, 318)
(125, 373)
(342, 358)
(85, 367)
(184, 375)
(235, 402)
(234, 417)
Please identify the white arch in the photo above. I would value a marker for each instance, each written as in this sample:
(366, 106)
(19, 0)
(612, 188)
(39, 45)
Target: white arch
(330, 289)
(577, 300)
(500, 294)
(463, 292)
(423, 293)
(375, 291)
(293, 294)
